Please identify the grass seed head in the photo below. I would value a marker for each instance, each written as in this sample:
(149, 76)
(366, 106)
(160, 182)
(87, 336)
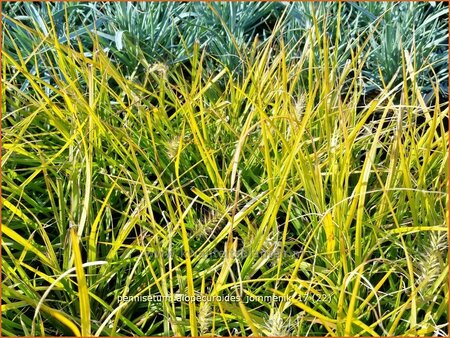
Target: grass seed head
(159, 68)
(276, 326)
(204, 317)
(429, 263)
(172, 147)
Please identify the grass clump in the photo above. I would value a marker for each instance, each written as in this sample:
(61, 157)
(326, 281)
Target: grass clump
(274, 197)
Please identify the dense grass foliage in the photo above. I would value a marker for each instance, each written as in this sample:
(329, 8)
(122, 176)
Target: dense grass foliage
(140, 33)
(271, 179)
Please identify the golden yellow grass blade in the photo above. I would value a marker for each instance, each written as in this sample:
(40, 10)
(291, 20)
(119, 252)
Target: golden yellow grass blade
(27, 245)
(83, 292)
